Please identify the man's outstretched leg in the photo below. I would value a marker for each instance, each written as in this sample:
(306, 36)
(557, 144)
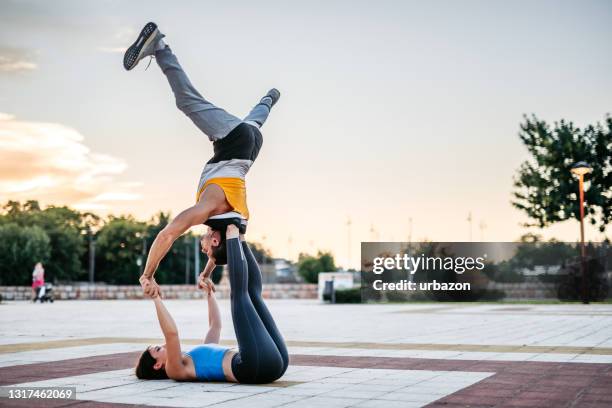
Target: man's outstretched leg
(215, 122)
(260, 112)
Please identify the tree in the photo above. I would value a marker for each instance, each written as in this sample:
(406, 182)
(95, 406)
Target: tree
(118, 246)
(529, 255)
(530, 237)
(544, 187)
(20, 249)
(310, 266)
(62, 226)
(172, 267)
(90, 223)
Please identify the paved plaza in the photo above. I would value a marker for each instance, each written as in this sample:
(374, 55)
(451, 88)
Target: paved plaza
(398, 355)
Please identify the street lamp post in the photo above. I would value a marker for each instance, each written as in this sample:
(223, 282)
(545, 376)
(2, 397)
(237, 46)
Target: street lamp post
(580, 169)
(143, 255)
(348, 227)
(92, 257)
(187, 245)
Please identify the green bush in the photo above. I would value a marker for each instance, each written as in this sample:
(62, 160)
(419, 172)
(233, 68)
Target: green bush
(493, 294)
(348, 295)
(570, 286)
(397, 296)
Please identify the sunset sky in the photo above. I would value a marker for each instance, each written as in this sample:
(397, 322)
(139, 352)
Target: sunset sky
(390, 110)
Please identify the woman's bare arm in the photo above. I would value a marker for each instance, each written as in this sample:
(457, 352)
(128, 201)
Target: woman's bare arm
(210, 266)
(214, 320)
(174, 361)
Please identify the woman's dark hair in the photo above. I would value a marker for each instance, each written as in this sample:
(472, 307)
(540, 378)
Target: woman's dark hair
(145, 370)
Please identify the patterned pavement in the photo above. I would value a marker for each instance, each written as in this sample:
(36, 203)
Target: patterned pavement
(544, 356)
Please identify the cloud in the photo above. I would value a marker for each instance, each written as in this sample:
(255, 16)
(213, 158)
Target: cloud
(113, 50)
(124, 35)
(15, 60)
(8, 65)
(50, 162)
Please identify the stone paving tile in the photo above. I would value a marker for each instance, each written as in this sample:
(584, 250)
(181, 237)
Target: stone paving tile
(343, 380)
(591, 405)
(197, 400)
(583, 358)
(353, 393)
(422, 398)
(367, 386)
(318, 373)
(388, 404)
(315, 387)
(260, 401)
(248, 389)
(399, 382)
(323, 402)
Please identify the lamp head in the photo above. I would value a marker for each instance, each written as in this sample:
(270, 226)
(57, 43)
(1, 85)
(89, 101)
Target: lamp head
(581, 168)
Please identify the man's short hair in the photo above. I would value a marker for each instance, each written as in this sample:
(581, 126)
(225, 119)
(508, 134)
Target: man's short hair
(220, 251)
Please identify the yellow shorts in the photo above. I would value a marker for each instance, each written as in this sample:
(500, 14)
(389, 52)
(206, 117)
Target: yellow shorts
(235, 193)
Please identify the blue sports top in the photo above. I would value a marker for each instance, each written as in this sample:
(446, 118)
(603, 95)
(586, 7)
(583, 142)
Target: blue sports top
(208, 361)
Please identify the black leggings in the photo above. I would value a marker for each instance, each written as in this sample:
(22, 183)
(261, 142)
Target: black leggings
(262, 355)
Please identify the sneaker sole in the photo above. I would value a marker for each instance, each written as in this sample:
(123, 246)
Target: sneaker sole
(133, 54)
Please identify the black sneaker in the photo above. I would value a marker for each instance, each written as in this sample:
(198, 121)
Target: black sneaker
(144, 46)
(273, 94)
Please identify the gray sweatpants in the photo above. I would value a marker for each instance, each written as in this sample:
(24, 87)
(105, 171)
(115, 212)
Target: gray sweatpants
(215, 122)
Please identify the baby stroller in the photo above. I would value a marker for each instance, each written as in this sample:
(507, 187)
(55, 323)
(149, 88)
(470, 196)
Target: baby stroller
(44, 293)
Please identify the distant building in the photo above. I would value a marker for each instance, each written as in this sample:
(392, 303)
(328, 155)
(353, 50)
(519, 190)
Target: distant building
(284, 270)
(538, 270)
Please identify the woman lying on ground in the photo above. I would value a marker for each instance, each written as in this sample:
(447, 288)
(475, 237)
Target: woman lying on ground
(261, 356)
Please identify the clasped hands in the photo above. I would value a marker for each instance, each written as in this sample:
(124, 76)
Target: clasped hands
(205, 283)
(149, 286)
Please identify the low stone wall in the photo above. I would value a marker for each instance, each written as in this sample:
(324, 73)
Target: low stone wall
(513, 291)
(101, 292)
(526, 290)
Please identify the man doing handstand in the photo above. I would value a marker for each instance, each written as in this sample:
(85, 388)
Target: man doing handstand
(236, 143)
